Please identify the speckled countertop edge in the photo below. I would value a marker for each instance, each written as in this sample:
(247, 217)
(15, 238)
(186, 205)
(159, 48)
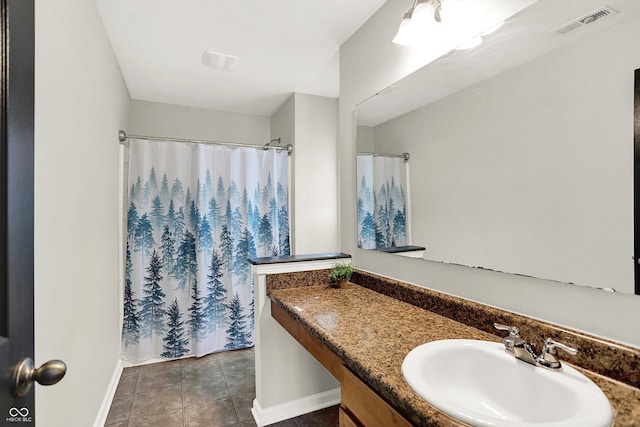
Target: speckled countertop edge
(372, 333)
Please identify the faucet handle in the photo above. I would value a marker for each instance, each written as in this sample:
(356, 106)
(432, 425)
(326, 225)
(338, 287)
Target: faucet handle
(513, 331)
(548, 354)
(512, 340)
(550, 346)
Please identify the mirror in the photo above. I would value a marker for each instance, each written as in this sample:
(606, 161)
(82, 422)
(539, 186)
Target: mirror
(521, 149)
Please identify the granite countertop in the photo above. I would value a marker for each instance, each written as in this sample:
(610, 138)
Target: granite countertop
(372, 333)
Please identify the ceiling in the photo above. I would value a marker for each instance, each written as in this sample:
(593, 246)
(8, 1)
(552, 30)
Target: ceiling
(284, 46)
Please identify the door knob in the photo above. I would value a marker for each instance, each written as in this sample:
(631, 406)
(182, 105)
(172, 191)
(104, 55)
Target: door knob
(26, 373)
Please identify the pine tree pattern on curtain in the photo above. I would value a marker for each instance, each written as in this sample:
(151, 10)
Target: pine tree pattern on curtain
(195, 214)
(381, 209)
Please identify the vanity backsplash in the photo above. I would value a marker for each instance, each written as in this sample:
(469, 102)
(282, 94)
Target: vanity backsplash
(607, 358)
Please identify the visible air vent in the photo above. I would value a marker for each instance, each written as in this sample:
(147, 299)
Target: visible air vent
(222, 61)
(585, 20)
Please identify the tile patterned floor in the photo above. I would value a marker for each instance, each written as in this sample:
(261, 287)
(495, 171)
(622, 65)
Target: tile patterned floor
(212, 391)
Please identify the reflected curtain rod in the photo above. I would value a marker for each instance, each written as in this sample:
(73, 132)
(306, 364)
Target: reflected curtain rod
(404, 156)
(123, 137)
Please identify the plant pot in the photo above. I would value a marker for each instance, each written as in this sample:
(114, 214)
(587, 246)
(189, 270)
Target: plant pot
(340, 283)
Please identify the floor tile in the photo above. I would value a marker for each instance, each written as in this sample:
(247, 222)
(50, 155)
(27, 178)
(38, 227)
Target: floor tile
(203, 368)
(243, 359)
(173, 418)
(201, 393)
(241, 383)
(151, 379)
(130, 371)
(160, 366)
(159, 400)
(237, 361)
(126, 386)
(120, 410)
(219, 413)
(323, 418)
(211, 391)
(243, 402)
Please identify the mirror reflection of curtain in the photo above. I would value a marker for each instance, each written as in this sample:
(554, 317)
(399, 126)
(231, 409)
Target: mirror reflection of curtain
(382, 205)
(195, 213)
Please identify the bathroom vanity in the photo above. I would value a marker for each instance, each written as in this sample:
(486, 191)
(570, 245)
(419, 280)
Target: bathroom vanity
(362, 332)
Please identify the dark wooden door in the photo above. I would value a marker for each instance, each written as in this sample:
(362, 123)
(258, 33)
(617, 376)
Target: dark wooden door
(16, 205)
(636, 181)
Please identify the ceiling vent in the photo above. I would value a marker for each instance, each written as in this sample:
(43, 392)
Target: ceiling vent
(583, 21)
(219, 60)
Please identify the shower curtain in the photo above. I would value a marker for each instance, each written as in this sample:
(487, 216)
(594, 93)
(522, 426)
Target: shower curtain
(382, 208)
(195, 213)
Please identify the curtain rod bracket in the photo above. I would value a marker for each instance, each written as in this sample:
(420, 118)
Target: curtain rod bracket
(122, 135)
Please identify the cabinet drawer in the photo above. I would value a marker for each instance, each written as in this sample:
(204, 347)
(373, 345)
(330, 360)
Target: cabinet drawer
(345, 420)
(368, 408)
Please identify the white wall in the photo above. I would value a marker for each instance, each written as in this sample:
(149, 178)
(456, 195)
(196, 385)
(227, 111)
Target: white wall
(176, 121)
(366, 139)
(80, 103)
(515, 173)
(283, 126)
(316, 174)
(370, 62)
(309, 123)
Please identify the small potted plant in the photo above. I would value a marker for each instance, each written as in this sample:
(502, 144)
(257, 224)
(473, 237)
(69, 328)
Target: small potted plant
(340, 275)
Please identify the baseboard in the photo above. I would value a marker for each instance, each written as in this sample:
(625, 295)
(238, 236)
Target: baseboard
(101, 418)
(284, 411)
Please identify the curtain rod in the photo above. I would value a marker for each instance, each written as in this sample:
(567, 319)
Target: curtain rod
(123, 137)
(404, 156)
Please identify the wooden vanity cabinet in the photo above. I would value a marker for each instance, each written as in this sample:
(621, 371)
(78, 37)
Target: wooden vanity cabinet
(365, 406)
(361, 406)
(346, 420)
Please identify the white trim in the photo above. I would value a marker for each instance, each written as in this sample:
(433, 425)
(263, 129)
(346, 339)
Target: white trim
(407, 201)
(285, 411)
(294, 266)
(292, 208)
(101, 418)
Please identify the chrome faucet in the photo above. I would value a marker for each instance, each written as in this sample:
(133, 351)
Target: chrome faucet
(548, 356)
(515, 345)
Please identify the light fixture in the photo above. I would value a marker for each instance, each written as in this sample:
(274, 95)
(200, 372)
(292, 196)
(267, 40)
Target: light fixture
(426, 9)
(404, 35)
(421, 14)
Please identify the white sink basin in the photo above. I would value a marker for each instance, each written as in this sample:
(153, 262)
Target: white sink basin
(478, 383)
